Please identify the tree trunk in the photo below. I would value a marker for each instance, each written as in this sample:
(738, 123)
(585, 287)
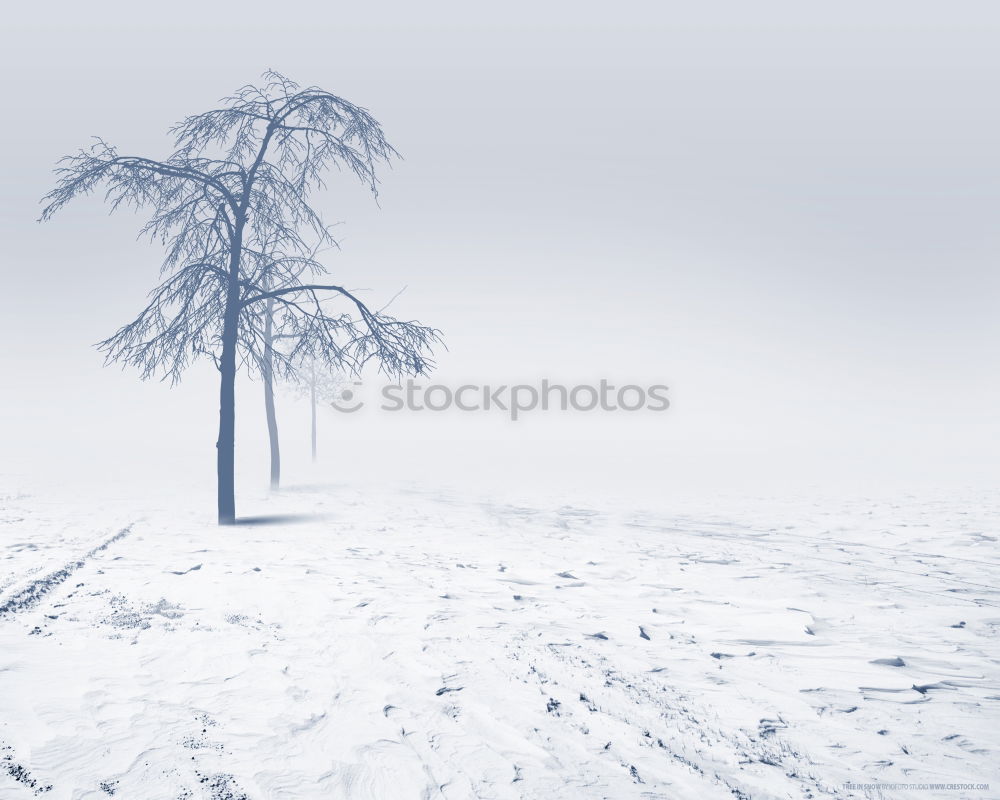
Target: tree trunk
(226, 444)
(226, 471)
(312, 400)
(272, 419)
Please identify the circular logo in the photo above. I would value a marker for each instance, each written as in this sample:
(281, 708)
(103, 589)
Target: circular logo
(343, 401)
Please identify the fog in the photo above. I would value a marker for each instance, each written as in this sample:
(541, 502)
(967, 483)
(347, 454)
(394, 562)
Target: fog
(786, 213)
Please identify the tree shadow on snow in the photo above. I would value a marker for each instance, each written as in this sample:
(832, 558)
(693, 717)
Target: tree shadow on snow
(281, 519)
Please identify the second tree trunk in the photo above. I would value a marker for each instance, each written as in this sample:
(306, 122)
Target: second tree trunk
(272, 419)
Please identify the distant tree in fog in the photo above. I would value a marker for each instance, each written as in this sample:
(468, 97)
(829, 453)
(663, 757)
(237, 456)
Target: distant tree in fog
(231, 205)
(286, 351)
(319, 385)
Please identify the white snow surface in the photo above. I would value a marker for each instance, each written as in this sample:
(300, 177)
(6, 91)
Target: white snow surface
(352, 642)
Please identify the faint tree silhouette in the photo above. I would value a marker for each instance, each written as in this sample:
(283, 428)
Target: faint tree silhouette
(318, 384)
(287, 355)
(231, 205)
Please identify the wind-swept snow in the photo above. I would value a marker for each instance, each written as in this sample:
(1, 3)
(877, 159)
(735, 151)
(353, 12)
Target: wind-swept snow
(397, 645)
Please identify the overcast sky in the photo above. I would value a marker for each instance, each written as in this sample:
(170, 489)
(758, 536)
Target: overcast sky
(787, 212)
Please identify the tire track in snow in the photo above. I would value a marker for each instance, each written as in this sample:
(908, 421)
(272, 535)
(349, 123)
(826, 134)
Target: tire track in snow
(32, 594)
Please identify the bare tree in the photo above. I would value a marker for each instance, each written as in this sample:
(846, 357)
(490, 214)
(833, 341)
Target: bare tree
(291, 350)
(323, 385)
(231, 205)
(316, 382)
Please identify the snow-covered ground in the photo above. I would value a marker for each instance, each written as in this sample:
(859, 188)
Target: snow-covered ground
(358, 643)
